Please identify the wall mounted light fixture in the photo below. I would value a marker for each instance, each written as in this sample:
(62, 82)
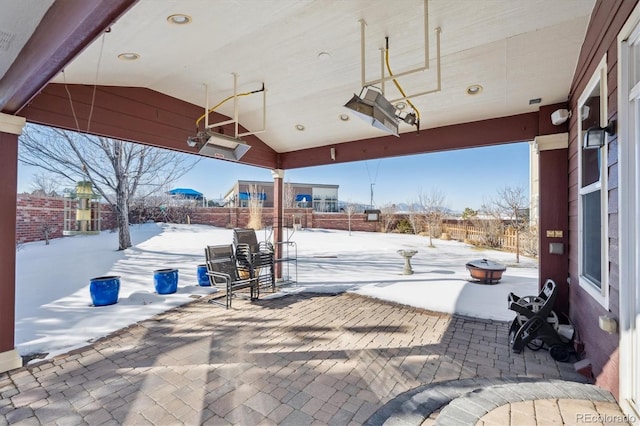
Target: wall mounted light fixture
(595, 137)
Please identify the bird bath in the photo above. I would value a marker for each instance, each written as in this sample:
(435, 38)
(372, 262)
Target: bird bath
(407, 254)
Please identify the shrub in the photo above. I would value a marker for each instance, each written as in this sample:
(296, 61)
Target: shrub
(404, 227)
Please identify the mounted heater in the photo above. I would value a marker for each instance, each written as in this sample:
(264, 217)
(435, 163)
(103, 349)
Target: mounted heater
(222, 146)
(212, 142)
(372, 106)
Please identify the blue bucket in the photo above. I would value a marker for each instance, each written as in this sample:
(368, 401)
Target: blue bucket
(165, 280)
(104, 290)
(203, 278)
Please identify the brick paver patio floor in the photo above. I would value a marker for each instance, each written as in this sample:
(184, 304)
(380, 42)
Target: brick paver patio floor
(295, 360)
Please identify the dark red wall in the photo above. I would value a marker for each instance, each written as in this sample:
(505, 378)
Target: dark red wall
(601, 348)
(8, 183)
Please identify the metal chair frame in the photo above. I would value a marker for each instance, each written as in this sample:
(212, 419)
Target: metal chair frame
(223, 270)
(258, 256)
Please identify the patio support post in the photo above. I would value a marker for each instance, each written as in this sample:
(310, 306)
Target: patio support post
(278, 217)
(554, 214)
(10, 128)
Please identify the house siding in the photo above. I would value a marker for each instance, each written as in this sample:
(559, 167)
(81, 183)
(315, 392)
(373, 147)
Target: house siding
(601, 348)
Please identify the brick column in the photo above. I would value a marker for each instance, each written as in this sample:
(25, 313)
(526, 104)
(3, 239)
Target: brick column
(554, 214)
(278, 216)
(10, 128)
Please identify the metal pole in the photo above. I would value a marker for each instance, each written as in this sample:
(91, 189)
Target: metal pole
(371, 203)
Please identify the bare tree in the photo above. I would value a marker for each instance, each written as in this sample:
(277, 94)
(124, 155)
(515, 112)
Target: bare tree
(288, 197)
(320, 204)
(433, 210)
(350, 209)
(388, 216)
(414, 216)
(118, 170)
(489, 222)
(44, 185)
(512, 204)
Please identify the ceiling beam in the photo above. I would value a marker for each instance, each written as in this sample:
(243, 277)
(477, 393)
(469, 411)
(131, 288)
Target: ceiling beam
(67, 28)
(132, 114)
(152, 118)
(495, 131)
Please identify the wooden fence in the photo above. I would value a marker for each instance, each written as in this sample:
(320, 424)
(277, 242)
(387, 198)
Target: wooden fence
(505, 239)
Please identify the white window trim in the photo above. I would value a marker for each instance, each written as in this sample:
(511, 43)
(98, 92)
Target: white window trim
(628, 246)
(601, 295)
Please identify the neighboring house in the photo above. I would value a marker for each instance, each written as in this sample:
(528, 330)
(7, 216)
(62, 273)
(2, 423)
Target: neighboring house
(186, 193)
(186, 196)
(320, 197)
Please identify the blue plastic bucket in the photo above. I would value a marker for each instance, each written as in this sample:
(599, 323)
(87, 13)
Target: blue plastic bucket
(165, 280)
(203, 279)
(104, 290)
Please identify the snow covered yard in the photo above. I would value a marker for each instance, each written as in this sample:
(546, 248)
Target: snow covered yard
(53, 304)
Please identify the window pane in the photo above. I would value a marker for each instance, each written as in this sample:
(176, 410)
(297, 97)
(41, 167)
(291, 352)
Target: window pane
(592, 239)
(590, 166)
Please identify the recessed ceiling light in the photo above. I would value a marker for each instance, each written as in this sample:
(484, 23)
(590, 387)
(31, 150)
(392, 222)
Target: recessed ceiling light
(179, 19)
(401, 105)
(344, 117)
(323, 56)
(474, 89)
(299, 127)
(129, 56)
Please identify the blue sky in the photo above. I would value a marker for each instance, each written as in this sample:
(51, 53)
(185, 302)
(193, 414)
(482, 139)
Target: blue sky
(466, 177)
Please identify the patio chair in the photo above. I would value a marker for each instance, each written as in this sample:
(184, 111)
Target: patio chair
(258, 257)
(223, 270)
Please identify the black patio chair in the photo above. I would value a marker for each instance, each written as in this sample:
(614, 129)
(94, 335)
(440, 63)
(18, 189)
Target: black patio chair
(257, 257)
(224, 272)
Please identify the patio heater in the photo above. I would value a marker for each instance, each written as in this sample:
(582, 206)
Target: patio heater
(81, 210)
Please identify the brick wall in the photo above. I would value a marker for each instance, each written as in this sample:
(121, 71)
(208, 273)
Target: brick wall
(239, 218)
(34, 214)
(341, 221)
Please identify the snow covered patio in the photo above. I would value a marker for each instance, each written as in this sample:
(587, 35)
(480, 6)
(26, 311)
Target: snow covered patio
(305, 355)
(53, 312)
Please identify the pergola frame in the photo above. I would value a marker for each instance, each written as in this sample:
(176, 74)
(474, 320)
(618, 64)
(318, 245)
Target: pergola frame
(144, 116)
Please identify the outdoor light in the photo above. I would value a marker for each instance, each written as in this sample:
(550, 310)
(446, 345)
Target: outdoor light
(218, 145)
(375, 109)
(595, 137)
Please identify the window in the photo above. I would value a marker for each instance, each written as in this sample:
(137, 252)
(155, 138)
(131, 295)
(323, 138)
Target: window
(592, 198)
